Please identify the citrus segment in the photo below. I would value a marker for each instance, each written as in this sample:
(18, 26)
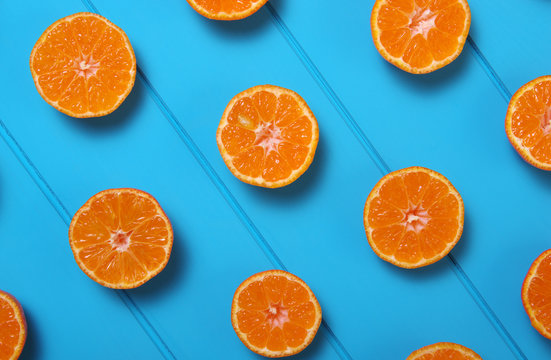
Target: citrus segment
(420, 36)
(13, 327)
(275, 314)
(444, 351)
(83, 65)
(121, 238)
(413, 217)
(536, 294)
(528, 122)
(267, 136)
(226, 9)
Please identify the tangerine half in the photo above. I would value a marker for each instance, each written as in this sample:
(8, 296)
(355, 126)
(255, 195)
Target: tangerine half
(444, 351)
(275, 314)
(536, 294)
(420, 36)
(121, 238)
(13, 327)
(226, 9)
(267, 136)
(528, 122)
(413, 217)
(83, 65)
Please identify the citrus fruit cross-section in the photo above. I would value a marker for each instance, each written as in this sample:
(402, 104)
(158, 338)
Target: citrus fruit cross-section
(267, 136)
(536, 294)
(528, 122)
(420, 36)
(444, 351)
(83, 65)
(275, 314)
(413, 217)
(121, 238)
(226, 9)
(13, 327)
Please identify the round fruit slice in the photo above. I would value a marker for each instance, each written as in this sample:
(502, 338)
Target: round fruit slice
(413, 217)
(226, 9)
(420, 36)
(13, 327)
(267, 136)
(121, 238)
(536, 294)
(528, 122)
(83, 65)
(444, 351)
(275, 314)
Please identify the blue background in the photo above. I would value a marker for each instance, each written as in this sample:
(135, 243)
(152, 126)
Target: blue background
(372, 117)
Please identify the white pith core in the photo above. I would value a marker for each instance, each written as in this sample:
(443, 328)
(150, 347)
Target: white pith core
(546, 121)
(421, 22)
(268, 135)
(415, 218)
(86, 66)
(120, 240)
(277, 315)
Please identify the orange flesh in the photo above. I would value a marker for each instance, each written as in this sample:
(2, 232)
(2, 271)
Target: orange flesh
(421, 32)
(227, 6)
(448, 354)
(531, 121)
(414, 217)
(269, 137)
(276, 313)
(121, 238)
(537, 294)
(84, 65)
(12, 333)
(226, 9)
(444, 351)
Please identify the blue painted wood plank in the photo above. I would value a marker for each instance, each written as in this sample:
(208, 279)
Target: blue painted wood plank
(65, 315)
(451, 121)
(315, 225)
(512, 36)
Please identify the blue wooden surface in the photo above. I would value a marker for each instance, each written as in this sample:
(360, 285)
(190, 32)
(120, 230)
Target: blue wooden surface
(372, 118)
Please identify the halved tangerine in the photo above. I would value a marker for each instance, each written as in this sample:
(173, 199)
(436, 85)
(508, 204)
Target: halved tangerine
(83, 65)
(413, 217)
(267, 136)
(420, 36)
(528, 122)
(13, 327)
(121, 238)
(536, 294)
(226, 9)
(444, 351)
(275, 314)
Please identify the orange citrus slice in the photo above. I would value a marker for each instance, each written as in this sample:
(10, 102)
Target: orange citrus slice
(528, 122)
(83, 65)
(267, 136)
(420, 36)
(444, 351)
(413, 217)
(536, 294)
(121, 238)
(275, 314)
(13, 327)
(226, 9)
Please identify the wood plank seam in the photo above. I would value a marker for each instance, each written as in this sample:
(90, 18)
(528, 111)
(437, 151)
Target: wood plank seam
(385, 169)
(489, 70)
(65, 216)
